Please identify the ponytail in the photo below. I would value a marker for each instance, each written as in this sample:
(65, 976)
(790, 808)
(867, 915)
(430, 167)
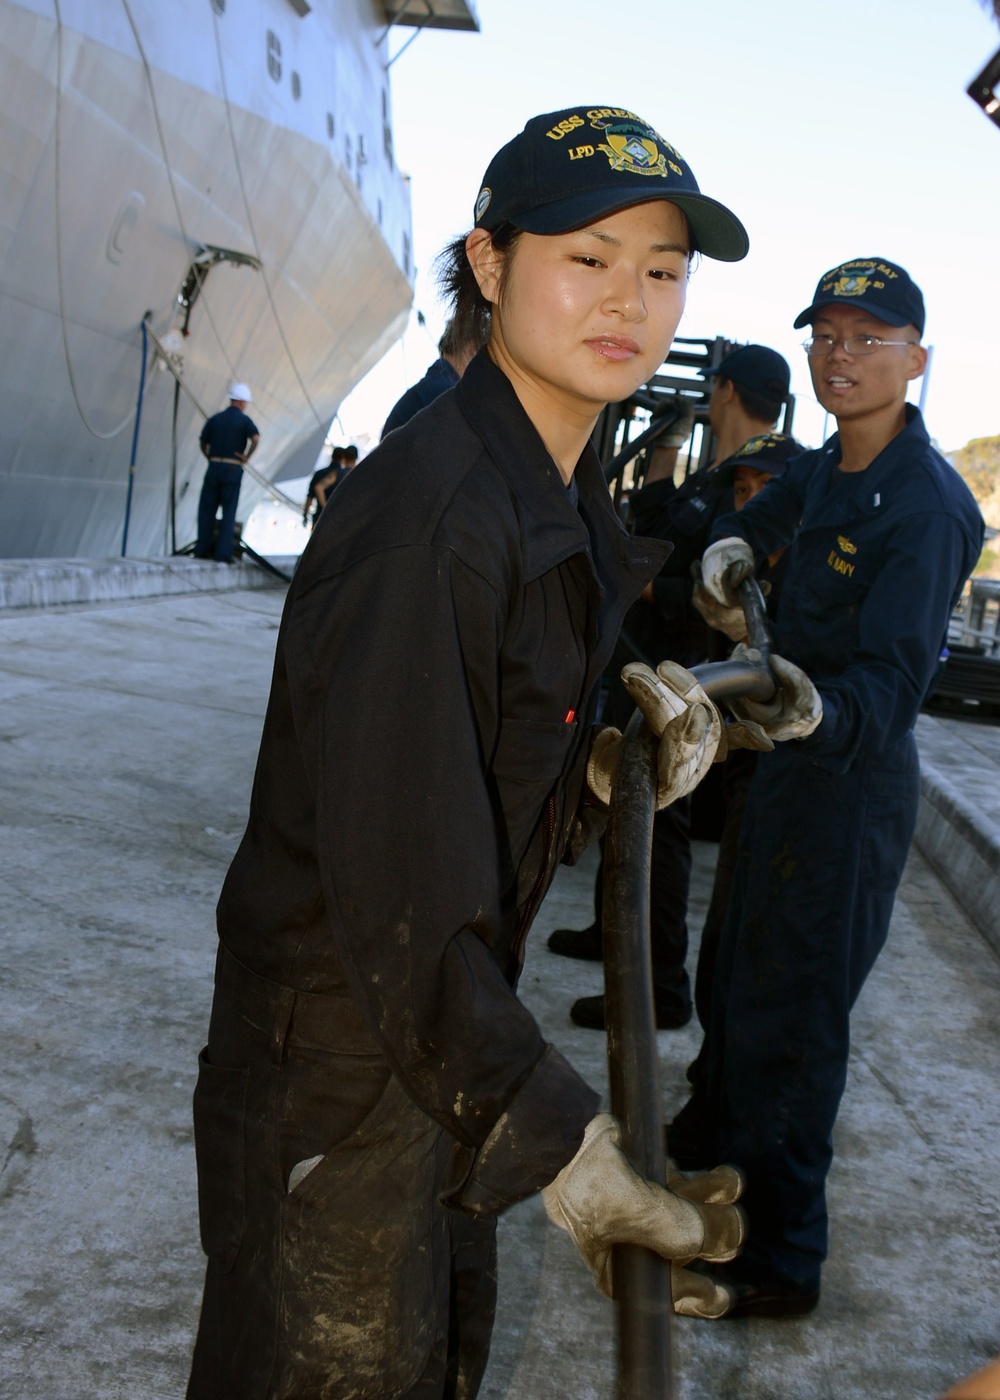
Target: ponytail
(472, 314)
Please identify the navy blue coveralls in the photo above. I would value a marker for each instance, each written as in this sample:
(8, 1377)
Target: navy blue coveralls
(874, 572)
(439, 376)
(224, 435)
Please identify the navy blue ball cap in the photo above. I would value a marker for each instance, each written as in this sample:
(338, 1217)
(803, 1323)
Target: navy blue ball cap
(880, 287)
(772, 453)
(756, 367)
(567, 169)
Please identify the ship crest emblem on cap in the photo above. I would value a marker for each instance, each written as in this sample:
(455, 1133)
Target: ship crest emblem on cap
(757, 444)
(854, 279)
(632, 149)
(851, 286)
(483, 202)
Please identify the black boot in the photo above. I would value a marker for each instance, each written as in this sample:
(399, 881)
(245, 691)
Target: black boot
(584, 943)
(589, 1012)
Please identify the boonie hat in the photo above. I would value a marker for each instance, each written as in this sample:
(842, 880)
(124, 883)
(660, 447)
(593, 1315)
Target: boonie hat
(881, 287)
(767, 452)
(756, 367)
(241, 392)
(568, 168)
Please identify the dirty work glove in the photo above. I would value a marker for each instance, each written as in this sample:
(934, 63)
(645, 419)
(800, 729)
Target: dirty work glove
(724, 566)
(679, 432)
(741, 734)
(693, 1294)
(796, 709)
(730, 621)
(682, 717)
(601, 1200)
(697, 1295)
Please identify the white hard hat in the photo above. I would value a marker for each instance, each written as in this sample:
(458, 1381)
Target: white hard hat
(241, 392)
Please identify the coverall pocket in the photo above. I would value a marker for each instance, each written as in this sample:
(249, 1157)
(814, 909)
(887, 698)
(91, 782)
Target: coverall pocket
(529, 759)
(532, 750)
(219, 1138)
(890, 817)
(362, 1259)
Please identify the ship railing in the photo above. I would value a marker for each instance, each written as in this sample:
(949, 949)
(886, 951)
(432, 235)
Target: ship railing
(977, 619)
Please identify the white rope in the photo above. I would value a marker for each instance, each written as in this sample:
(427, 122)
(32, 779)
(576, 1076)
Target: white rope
(274, 492)
(250, 224)
(170, 180)
(95, 432)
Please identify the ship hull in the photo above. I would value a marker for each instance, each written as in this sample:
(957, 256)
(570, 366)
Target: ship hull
(117, 174)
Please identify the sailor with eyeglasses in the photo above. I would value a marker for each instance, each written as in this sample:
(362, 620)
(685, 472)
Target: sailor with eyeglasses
(883, 534)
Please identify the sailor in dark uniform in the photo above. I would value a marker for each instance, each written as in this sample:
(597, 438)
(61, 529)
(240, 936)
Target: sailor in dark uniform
(888, 535)
(749, 387)
(228, 440)
(373, 1093)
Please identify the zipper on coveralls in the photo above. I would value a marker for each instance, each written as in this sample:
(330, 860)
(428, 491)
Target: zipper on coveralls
(533, 899)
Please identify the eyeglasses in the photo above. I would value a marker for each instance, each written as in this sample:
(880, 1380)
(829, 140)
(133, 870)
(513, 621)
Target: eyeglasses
(819, 345)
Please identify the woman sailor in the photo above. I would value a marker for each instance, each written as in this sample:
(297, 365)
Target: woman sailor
(373, 1093)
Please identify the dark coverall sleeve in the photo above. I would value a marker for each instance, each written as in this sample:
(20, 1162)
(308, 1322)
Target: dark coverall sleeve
(394, 693)
(902, 623)
(672, 599)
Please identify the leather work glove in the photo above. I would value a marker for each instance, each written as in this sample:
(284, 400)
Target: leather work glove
(697, 1295)
(694, 1294)
(678, 432)
(724, 566)
(682, 717)
(796, 709)
(742, 734)
(601, 1200)
(730, 621)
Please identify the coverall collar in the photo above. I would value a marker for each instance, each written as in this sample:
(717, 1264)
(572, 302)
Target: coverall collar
(866, 490)
(552, 528)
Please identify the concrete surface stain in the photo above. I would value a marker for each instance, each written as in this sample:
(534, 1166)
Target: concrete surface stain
(23, 1141)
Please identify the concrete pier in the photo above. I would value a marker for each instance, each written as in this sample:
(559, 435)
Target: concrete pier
(48, 583)
(959, 824)
(128, 732)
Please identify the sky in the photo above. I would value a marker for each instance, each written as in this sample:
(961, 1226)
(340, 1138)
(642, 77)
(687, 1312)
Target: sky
(833, 132)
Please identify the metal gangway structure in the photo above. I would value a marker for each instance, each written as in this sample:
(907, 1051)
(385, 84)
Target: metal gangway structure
(627, 431)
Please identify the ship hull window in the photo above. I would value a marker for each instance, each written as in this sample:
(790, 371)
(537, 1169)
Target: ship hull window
(274, 55)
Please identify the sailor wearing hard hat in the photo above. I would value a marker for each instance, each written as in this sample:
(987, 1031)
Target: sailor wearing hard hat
(228, 440)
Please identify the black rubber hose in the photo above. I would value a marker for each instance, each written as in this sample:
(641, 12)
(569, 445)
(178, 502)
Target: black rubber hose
(641, 1279)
